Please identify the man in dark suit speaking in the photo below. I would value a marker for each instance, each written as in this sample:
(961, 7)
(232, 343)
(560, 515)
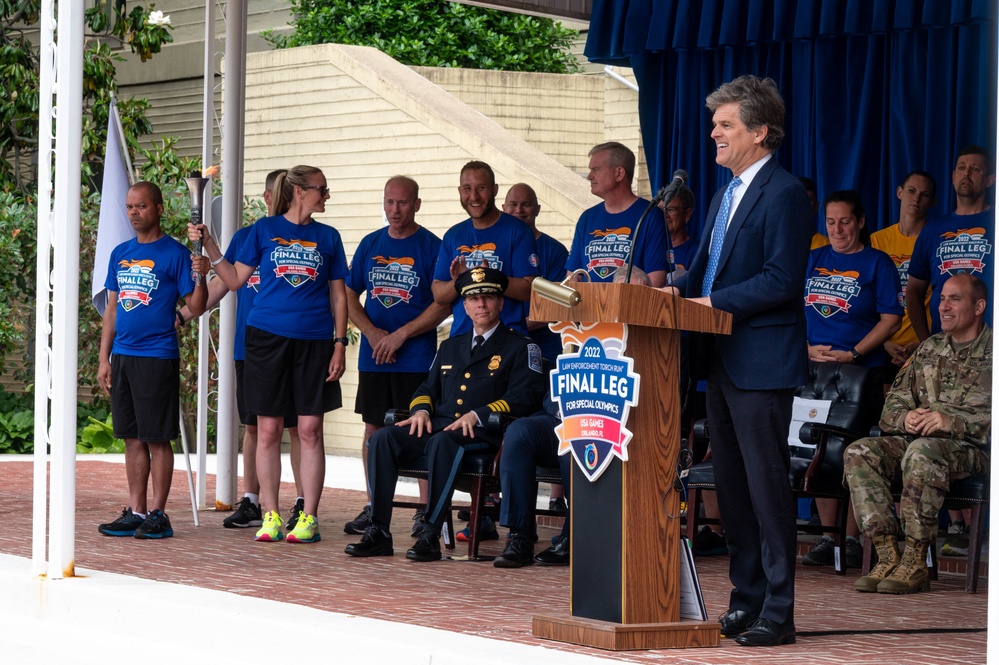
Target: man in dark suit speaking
(751, 262)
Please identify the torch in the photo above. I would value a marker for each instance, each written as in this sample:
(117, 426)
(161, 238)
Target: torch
(196, 185)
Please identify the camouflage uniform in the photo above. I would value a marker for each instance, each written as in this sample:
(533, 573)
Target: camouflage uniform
(957, 383)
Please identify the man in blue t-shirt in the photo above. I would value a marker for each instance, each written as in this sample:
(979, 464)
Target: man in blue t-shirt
(961, 242)
(604, 233)
(394, 268)
(140, 357)
(489, 237)
(522, 202)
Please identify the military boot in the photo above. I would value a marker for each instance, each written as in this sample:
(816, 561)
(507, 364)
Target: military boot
(888, 558)
(911, 575)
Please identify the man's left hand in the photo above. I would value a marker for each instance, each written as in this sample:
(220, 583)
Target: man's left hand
(466, 424)
(384, 351)
(337, 363)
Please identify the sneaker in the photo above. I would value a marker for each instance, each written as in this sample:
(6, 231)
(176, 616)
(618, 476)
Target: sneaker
(292, 522)
(854, 553)
(247, 514)
(558, 505)
(419, 521)
(956, 543)
(709, 543)
(270, 532)
(359, 523)
(125, 525)
(487, 531)
(821, 554)
(306, 531)
(156, 525)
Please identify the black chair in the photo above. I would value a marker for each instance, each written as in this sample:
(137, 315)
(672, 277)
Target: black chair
(857, 396)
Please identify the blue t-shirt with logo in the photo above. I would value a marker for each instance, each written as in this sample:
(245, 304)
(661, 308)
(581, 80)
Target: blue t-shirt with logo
(683, 256)
(951, 245)
(396, 274)
(149, 278)
(297, 262)
(244, 296)
(508, 246)
(602, 241)
(552, 256)
(845, 295)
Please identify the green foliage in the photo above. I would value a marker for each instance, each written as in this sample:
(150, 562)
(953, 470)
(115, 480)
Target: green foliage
(17, 271)
(17, 422)
(97, 437)
(435, 33)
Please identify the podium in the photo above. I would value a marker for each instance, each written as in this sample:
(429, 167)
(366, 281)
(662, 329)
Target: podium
(625, 530)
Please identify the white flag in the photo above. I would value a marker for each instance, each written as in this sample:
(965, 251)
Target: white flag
(113, 227)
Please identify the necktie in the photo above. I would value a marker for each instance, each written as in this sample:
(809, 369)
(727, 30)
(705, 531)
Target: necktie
(718, 237)
(479, 341)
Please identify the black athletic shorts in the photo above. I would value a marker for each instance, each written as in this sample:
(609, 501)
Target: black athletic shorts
(377, 392)
(282, 375)
(145, 398)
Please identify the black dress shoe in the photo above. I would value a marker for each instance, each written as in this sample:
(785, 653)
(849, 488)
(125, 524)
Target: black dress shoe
(735, 622)
(556, 555)
(519, 551)
(374, 542)
(426, 548)
(767, 633)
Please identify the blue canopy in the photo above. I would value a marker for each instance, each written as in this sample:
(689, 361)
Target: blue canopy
(873, 88)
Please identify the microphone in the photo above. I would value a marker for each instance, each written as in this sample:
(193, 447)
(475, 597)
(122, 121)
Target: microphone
(667, 193)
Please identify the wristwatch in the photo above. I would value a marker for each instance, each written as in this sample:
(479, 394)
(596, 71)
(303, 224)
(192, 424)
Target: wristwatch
(343, 340)
(857, 355)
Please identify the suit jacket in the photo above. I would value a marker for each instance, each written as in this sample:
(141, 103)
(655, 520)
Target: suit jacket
(506, 376)
(761, 281)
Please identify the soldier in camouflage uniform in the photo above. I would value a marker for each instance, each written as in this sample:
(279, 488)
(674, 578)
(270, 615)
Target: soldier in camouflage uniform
(937, 418)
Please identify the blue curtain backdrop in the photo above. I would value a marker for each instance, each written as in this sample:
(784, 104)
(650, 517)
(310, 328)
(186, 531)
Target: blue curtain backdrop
(873, 88)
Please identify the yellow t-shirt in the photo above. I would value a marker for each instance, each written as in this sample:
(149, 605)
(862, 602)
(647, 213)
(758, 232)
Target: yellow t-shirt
(819, 240)
(899, 248)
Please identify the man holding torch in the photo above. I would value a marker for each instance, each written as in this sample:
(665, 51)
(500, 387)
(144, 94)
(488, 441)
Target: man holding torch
(140, 356)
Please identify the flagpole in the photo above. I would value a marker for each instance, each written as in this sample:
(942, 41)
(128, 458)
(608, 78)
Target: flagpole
(43, 288)
(123, 144)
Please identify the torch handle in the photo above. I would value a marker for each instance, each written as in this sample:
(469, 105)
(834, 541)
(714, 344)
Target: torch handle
(196, 219)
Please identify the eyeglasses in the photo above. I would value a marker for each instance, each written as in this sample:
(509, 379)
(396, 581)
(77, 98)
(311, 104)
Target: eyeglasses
(323, 189)
(674, 210)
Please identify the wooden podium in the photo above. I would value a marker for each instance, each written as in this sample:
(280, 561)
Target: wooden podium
(624, 538)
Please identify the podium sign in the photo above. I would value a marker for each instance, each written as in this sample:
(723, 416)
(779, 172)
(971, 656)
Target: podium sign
(625, 527)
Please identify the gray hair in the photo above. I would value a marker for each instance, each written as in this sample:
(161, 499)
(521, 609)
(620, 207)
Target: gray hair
(759, 103)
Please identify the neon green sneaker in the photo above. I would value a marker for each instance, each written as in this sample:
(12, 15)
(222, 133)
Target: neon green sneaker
(270, 532)
(306, 531)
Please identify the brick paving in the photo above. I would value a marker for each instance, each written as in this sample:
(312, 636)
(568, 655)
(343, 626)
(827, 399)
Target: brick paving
(835, 624)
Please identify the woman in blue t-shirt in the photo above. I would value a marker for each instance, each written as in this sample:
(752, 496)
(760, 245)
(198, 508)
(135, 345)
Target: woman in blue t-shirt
(853, 304)
(853, 298)
(296, 336)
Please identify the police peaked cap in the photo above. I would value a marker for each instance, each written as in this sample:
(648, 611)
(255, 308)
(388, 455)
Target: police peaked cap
(478, 281)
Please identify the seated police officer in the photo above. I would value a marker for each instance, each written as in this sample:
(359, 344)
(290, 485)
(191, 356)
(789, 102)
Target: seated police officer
(490, 369)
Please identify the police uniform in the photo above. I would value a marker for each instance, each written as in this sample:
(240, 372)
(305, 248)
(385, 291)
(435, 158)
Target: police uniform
(954, 381)
(503, 376)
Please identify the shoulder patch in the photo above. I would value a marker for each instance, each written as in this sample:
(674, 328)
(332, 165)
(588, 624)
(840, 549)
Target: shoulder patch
(534, 360)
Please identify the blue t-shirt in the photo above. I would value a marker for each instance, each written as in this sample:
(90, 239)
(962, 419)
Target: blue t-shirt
(508, 246)
(148, 278)
(244, 296)
(397, 275)
(951, 245)
(552, 256)
(297, 262)
(845, 295)
(683, 256)
(602, 241)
